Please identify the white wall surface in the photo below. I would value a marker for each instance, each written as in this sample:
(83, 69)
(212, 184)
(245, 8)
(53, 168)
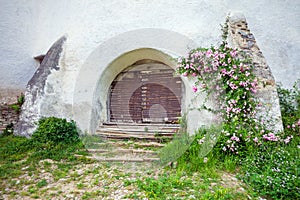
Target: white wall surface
(29, 27)
(17, 36)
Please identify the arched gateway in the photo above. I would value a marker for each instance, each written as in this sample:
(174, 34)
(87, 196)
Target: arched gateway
(154, 47)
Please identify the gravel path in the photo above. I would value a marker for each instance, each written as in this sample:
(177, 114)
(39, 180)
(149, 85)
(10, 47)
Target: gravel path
(57, 180)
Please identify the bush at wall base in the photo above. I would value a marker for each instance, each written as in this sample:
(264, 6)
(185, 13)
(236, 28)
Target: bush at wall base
(56, 130)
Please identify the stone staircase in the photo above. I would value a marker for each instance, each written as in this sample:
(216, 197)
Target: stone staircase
(126, 151)
(130, 143)
(129, 131)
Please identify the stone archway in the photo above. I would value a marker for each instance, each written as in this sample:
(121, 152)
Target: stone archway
(91, 92)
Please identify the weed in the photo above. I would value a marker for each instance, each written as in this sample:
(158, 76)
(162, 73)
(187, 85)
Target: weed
(173, 150)
(146, 129)
(42, 183)
(32, 189)
(17, 106)
(80, 185)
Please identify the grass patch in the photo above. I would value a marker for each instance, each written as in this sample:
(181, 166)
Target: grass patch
(178, 185)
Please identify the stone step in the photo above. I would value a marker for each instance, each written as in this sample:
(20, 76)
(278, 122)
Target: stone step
(109, 144)
(127, 131)
(136, 133)
(143, 129)
(149, 144)
(140, 124)
(136, 136)
(123, 151)
(138, 144)
(124, 155)
(138, 130)
(122, 159)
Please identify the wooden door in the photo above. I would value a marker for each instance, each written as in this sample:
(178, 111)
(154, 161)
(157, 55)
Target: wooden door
(146, 93)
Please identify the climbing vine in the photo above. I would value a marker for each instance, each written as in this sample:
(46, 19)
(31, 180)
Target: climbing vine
(226, 75)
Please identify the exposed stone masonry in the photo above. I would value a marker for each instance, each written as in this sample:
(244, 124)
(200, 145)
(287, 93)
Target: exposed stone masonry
(241, 38)
(9, 96)
(8, 115)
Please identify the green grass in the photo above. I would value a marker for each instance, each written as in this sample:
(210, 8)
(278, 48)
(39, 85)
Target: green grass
(178, 185)
(191, 171)
(60, 162)
(21, 156)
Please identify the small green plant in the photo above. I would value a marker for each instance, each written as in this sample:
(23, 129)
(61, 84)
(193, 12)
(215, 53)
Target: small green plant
(173, 150)
(199, 155)
(146, 129)
(42, 183)
(56, 130)
(163, 186)
(80, 185)
(17, 106)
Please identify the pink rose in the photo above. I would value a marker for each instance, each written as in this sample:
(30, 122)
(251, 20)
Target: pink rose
(195, 89)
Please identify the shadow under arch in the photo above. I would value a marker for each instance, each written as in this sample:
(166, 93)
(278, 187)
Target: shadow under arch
(112, 57)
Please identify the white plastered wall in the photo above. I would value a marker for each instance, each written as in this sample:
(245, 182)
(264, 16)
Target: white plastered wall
(28, 28)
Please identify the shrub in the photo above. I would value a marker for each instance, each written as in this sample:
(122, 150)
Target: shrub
(273, 171)
(290, 110)
(56, 130)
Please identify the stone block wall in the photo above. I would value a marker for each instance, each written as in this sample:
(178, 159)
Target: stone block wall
(241, 37)
(8, 115)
